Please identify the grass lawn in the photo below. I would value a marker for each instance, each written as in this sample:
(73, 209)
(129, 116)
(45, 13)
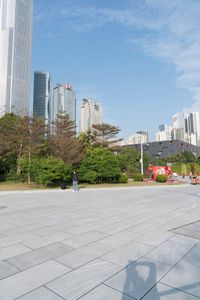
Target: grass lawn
(20, 186)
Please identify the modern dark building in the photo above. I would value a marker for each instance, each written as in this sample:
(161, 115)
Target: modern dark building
(166, 148)
(42, 95)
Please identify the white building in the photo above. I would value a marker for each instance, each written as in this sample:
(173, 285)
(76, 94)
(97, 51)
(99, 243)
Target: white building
(192, 128)
(178, 127)
(15, 55)
(137, 138)
(64, 100)
(164, 133)
(91, 114)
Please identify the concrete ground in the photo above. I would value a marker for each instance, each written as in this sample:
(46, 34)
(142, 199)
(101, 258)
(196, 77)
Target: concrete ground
(101, 244)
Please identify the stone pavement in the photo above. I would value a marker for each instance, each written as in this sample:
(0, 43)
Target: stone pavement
(101, 244)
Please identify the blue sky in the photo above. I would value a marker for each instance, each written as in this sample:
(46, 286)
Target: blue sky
(139, 58)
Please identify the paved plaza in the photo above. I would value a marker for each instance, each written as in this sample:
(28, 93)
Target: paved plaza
(101, 244)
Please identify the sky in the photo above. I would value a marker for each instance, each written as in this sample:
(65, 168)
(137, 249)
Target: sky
(139, 58)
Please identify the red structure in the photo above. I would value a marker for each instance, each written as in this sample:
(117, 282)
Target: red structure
(153, 171)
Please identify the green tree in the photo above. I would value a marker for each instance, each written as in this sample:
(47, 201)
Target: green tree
(9, 142)
(87, 139)
(47, 171)
(99, 165)
(63, 142)
(106, 134)
(129, 160)
(189, 156)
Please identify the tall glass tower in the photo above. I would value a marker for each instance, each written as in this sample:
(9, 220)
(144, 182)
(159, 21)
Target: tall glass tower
(64, 100)
(42, 95)
(15, 55)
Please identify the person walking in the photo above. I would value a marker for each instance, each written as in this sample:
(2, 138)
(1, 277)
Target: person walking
(75, 181)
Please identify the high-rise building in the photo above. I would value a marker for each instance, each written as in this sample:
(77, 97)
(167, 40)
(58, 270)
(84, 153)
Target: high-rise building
(141, 137)
(64, 100)
(178, 127)
(91, 114)
(15, 55)
(192, 128)
(42, 95)
(164, 133)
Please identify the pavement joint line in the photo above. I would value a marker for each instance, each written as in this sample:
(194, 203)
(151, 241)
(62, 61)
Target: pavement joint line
(159, 281)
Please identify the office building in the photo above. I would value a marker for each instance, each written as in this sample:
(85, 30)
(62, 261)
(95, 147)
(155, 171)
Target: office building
(15, 55)
(192, 128)
(42, 91)
(138, 138)
(91, 113)
(178, 127)
(64, 100)
(164, 133)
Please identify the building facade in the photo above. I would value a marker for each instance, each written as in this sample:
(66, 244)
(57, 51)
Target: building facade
(42, 92)
(91, 113)
(192, 128)
(167, 148)
(164, 133)
(140, 137)
(15, 55)
(64, 100)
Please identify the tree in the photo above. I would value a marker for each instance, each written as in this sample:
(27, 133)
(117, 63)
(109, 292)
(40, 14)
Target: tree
(189, 156)
(47, 171)
(63, 142)
(129, 160)
(20, 137)
(105, 134)
(99, 165)
(8, 145)
(87, 139)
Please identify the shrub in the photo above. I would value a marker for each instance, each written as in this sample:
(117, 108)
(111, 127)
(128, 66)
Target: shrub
(161, 178)
(138, 177)
(47, 171)
(123, 178)
(99, 165)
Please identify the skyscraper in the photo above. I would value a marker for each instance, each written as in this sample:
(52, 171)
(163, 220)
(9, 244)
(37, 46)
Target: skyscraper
(91, 113)
(15, 55)
(192, 128)
(64, 100)
(42, 95)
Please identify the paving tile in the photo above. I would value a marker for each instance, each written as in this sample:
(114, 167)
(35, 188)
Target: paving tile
(84, 239)
(11, 240)
(39, 256)
(47, 240)
(84, 255)
(12, 251)
(6, 269)
(128, 252)
(185, 276)
(188, 232)
(104, 292)
(169, 252)
(164, 292)
(182, 239)
(138, 278)
(26, 281)
(110, 229)
(80, 281)
(40, 294)
(195, 252)
(154, 238)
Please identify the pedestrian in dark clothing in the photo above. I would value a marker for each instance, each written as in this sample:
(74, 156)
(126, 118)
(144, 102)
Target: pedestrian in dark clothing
(75, 181)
